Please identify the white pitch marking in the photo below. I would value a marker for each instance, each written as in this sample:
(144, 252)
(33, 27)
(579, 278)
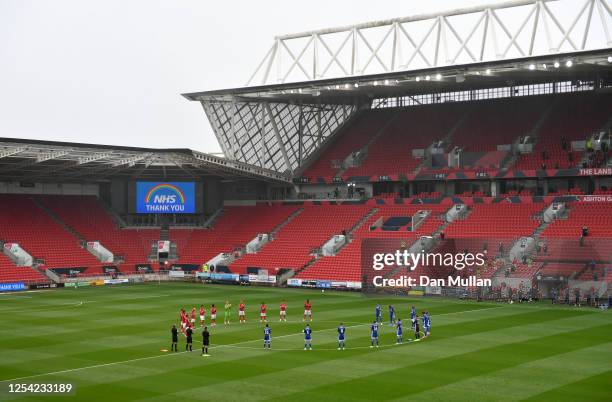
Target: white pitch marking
(179, 353)
(148, 358)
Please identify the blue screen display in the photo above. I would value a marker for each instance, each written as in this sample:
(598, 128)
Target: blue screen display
(165, 197)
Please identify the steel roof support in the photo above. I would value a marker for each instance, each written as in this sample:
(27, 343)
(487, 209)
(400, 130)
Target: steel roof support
(334, 55)
(534, 29)
(305, 65)
(587, 25)
(52, 155)
(6, 152)
(272, 135)
(467, 39)
(93, 157)
(600, 5)
(262, 134)
(558, 24)
(130, 161)
(278, 137)
(518, 32)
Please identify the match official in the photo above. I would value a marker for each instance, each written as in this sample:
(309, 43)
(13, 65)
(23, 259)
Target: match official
(205, 341)
(174, 345)
(189, 342)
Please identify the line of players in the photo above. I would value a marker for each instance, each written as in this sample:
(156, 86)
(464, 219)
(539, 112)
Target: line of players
(374, 328)
(188, 320)
(188, 325)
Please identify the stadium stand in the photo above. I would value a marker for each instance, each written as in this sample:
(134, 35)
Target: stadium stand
(485, 227)
(414, 128)
(232, 230)
(490, 229)
(486, 126)
(563, 236)
(346, 265)
(86, 215)
(500, 222)
(11, 273)
(525, 271)
(595, 216)
(23, 222)
(293, 244)
(499, 122)
(593, 272)
(560, 269)
(352, 139)
(384, 139)
(573, 117)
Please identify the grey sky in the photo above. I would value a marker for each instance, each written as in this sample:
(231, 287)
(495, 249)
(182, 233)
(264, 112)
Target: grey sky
(111, 71)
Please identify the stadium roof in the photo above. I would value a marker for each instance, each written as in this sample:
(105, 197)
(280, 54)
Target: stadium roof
(494, 74)
(313, 83)
(33, 160)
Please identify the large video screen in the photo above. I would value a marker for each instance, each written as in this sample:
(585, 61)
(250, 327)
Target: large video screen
(165, 197)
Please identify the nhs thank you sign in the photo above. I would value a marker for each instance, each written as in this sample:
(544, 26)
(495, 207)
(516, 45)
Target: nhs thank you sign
(165, 197)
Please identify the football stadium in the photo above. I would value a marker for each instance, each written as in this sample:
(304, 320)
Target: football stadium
(410, 209)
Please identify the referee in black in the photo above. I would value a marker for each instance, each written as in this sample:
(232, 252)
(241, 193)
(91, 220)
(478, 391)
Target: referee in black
(174, 346)
(189, 344)
(205, 341)
(417, 329)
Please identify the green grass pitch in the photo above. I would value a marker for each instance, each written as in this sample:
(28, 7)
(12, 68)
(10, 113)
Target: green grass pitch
(107, 342)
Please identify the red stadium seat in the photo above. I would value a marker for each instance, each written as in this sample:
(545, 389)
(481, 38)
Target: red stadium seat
(9, 272)
(233, 229)
(23, 222)
(292, 246)
(89, 218)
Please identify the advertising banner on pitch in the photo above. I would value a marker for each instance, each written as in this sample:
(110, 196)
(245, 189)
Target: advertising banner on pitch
(12, 286)
(294, 282)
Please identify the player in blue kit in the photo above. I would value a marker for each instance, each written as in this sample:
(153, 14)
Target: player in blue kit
(391, 314)
(413, 316)
(426, 324)
(374, 333)
(307, 337)
(398, 331)
(341, 335)
(267, 334)
(378, 313)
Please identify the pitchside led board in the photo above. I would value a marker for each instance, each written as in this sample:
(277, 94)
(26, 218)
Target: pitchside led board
(165, 197)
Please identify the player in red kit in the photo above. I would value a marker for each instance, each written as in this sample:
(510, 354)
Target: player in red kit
(241, 313)
(202, 315)
(307, 310)
(283, 311)
(213, 315)
(184, 320)
(262, 312)
(193, 317)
